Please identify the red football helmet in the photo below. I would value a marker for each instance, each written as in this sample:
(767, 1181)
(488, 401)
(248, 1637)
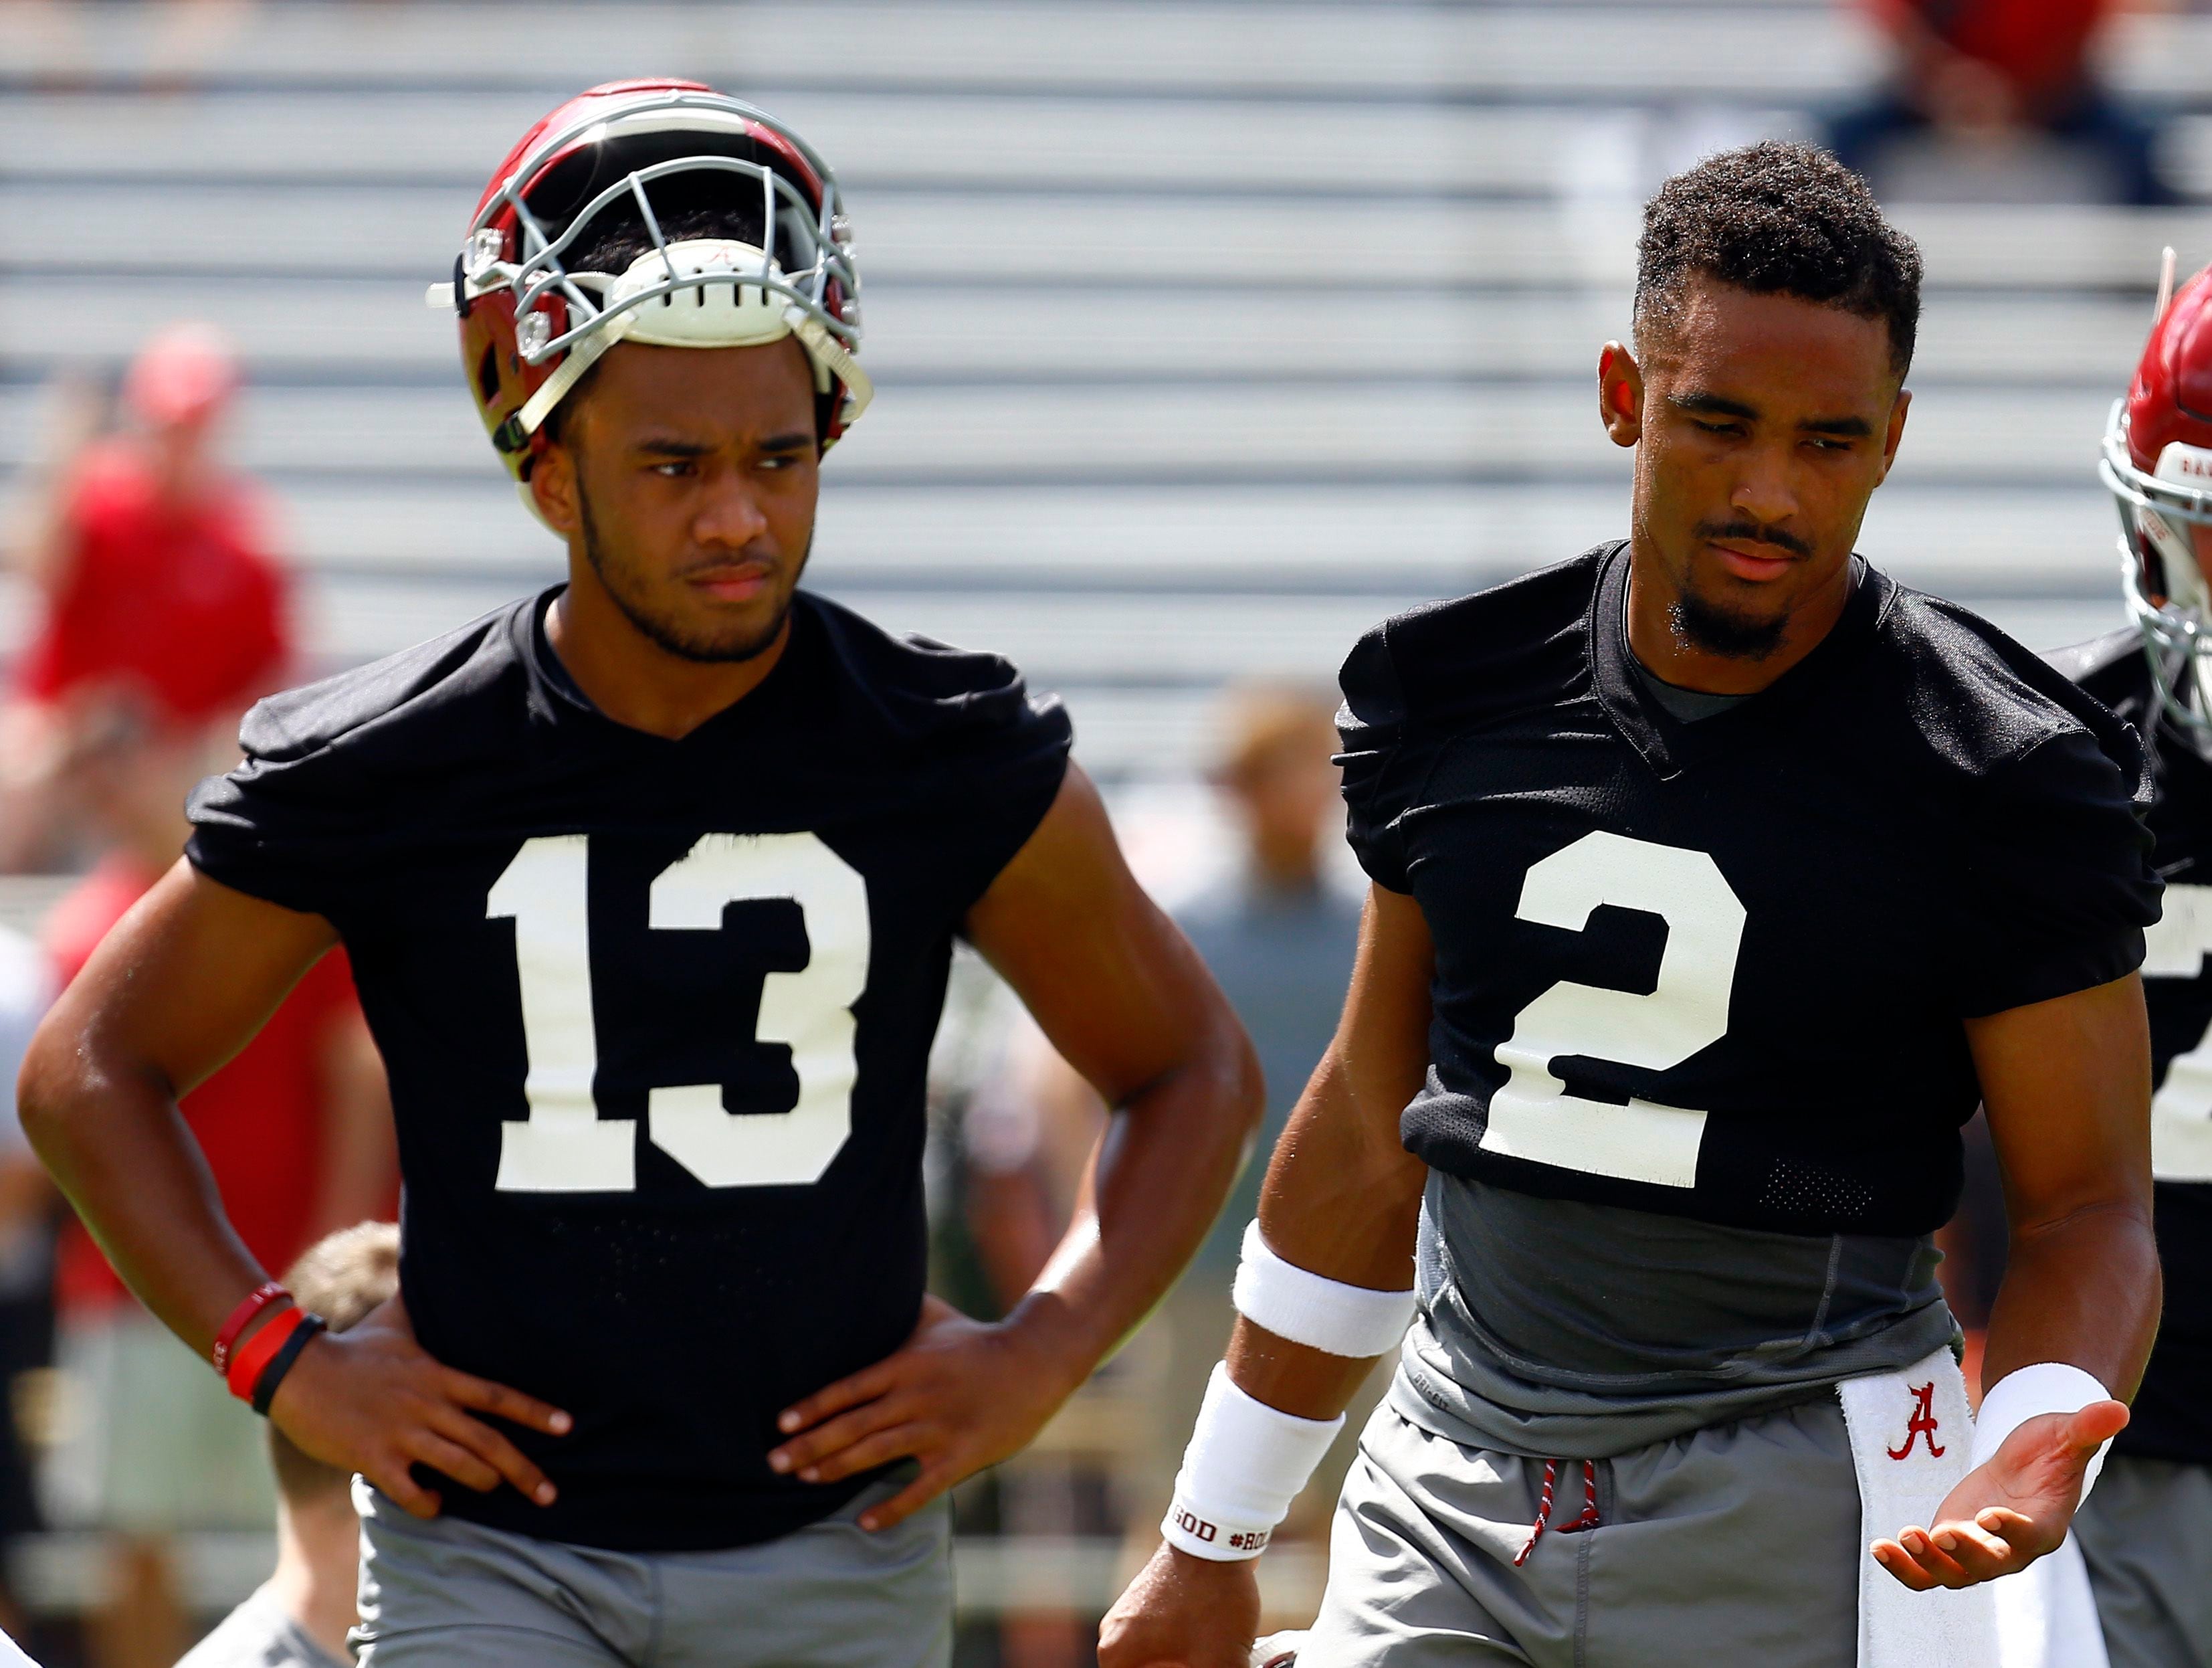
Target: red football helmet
(645, 152)
(2158, 462)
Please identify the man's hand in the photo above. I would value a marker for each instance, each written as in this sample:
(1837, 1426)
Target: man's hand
(370, 1399)
(960, 1395)
(1183, 1612)
(2006, 1514)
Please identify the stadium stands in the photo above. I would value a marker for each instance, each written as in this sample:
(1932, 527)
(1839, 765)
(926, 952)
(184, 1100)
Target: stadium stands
(1206, 334)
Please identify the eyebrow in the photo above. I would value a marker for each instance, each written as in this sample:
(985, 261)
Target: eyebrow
(667, 446)
(1852, 427)
(1713, 405)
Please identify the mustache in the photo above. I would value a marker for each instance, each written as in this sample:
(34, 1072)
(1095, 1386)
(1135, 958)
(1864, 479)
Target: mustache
(746, 557)
(1751, 532)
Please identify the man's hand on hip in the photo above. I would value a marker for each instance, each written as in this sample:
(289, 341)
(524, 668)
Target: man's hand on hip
(2006, 1513)
(960, 1395)
(1183, 1612)
(370, 1399)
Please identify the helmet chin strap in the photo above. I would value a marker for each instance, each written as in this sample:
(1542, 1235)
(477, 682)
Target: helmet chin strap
(568, 373)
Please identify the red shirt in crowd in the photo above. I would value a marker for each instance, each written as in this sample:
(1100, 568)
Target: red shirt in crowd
(182, 601)
(260, 1120)
(2041, 46)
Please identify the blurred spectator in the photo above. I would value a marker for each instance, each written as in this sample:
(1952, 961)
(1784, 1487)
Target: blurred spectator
(165, 619)
(1279, 932)
(163, 612)
(299, 1617)
(1994, 70)
(1276, 929)
(296, 1130)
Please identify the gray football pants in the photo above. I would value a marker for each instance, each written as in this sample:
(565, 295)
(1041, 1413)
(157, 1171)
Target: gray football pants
(1737, 1544)
(831, 1595)
(2146, 1531)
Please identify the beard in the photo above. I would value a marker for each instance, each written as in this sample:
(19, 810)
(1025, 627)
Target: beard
(1700, 624)
(661, 630)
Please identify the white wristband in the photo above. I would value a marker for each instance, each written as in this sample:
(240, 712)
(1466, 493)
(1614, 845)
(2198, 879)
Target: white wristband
(1245, 1464)
(2028, 1393)
(1311, 1309)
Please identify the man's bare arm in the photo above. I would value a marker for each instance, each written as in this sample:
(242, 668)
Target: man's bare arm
(1342, 1200)
(1122, 994)
(2066, 1084)
(180, 985)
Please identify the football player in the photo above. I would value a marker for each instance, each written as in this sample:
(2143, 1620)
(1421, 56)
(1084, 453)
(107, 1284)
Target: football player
(651, 882)
(1716, 877)
(2145, 1529)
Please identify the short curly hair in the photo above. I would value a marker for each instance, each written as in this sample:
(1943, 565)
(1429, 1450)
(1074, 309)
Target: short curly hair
(1779, 219)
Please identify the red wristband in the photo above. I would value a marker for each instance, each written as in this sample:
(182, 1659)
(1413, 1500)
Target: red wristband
(259, 1350)
(240, 1318)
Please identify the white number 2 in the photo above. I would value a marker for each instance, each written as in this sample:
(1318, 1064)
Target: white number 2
(1532, 1116)
(565, 1146)
(2181, 1112)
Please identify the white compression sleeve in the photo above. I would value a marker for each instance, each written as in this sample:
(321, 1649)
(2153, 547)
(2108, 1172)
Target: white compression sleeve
(1320, 1313)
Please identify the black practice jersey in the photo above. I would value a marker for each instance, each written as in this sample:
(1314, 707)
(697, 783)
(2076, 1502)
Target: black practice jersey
(2172, 1411)
(657, 1015)
(1718, 969)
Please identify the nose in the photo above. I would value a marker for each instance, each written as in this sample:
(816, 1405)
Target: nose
(1763, 489)
(730, 517)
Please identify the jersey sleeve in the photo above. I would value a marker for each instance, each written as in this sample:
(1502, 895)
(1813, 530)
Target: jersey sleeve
(1371, 726)
(281, 826)
(1011, 751)
(2057, 880)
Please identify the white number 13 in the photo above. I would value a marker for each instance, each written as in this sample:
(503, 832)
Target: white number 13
(565, 1146)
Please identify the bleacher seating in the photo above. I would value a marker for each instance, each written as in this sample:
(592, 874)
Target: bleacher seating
(1205, 334)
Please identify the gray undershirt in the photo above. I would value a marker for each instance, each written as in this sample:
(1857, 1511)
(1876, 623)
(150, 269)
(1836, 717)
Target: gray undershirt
(1554, 1328)
(1684, 706)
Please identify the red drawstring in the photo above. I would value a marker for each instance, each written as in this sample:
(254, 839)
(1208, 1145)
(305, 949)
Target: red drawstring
(1588, 1519)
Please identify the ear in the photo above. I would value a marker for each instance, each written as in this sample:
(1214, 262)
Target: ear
(1894, 433)
(1621, 395)
(553, 485)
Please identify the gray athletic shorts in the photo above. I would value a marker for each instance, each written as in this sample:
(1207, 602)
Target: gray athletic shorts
(1736, 1543)
(831, 1595)
(2146, 1530)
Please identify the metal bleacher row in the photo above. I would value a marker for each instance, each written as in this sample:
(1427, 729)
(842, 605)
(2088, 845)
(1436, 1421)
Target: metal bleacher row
(1205, 334)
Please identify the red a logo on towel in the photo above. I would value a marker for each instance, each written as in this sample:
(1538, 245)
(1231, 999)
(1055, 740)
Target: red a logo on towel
(1922, 1422)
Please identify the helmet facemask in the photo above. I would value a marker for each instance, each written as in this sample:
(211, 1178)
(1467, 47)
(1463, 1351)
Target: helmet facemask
(2169, 600)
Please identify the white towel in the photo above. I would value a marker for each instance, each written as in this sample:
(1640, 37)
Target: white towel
(2047, 1616)
(1911, 1434)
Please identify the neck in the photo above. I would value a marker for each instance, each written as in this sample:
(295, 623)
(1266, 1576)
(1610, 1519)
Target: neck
(317, 1556)
(631, 678)
(1654, 640)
